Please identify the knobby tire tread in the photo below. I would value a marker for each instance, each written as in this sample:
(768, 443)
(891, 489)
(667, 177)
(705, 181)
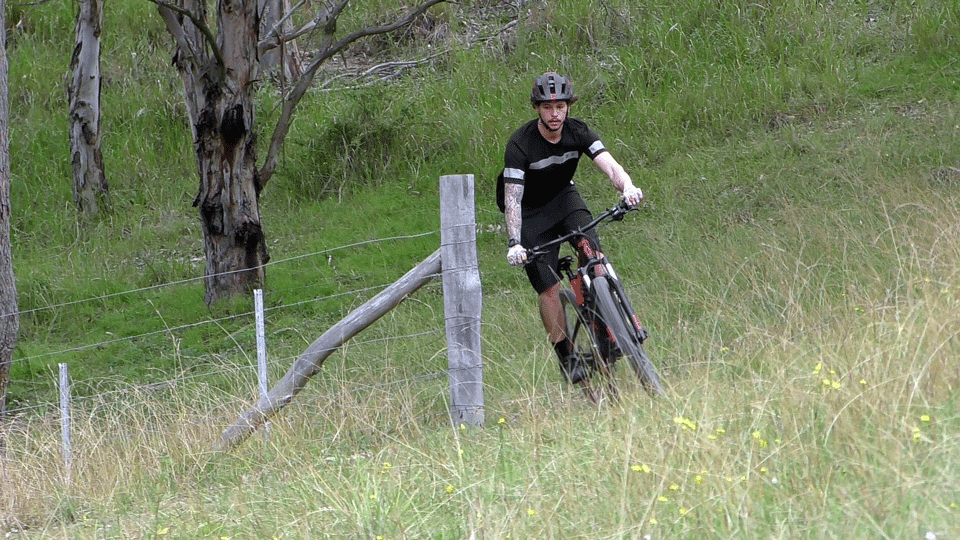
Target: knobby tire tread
(618, 320)
(579, 332)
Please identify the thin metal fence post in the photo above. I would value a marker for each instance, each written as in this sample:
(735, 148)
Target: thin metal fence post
(261, 351)
(65, 420)
(261, 342)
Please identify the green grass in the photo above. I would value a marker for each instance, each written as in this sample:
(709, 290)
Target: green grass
(795, 260)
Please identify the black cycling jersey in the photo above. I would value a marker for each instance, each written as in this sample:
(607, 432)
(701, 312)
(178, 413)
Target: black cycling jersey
(551, 205)
(543, 168)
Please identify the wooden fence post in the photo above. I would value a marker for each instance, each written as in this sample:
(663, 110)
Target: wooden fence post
(309, 362)
(462, 297)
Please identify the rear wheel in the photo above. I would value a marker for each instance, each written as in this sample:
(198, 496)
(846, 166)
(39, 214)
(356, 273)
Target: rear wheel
(626, 335)
(579, 330)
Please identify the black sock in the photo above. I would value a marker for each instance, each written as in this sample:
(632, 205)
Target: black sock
(563, 348)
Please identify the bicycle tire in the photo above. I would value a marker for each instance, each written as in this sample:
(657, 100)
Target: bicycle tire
(619, 320)
(579, 331)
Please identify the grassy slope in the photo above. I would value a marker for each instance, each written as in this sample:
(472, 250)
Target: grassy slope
(795, 260)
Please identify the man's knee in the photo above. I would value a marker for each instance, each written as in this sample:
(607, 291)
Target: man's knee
(551, 293)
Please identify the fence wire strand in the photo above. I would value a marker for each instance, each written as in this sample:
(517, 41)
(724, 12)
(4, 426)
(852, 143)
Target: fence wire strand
(201, 278)
(273, 364)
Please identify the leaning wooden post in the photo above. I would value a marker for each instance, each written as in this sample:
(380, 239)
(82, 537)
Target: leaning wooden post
(309, 362)
(462, 298)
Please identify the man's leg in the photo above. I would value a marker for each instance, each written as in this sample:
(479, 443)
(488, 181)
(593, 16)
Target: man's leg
(551, 313)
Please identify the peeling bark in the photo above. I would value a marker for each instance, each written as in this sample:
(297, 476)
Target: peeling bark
(90, 189)
(220, 70)
(219, 79)
(283, 61)
(9, 312)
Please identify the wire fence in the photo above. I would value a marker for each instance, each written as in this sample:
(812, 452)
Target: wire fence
(459, 335)
(234, 370)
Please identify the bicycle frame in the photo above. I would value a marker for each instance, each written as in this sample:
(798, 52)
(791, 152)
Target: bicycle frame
(596, 265)
(581, 282)
(615, 213)
(604, 310)
(580, 279)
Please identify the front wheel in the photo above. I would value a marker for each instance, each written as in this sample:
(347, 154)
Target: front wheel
(580, 331)
(626, 336)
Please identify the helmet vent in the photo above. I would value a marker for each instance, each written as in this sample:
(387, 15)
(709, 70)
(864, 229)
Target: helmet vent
(552, 87)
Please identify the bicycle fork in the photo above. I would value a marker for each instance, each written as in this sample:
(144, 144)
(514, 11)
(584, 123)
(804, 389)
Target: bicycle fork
(596, 265)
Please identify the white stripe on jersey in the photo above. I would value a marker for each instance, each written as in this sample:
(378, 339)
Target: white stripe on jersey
(555, 160)
(513, 174)
(596, 147)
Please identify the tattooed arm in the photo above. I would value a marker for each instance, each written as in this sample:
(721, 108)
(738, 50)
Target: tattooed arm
(513, 193)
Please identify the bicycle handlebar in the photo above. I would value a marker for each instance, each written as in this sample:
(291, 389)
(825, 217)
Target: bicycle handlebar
(615, 213)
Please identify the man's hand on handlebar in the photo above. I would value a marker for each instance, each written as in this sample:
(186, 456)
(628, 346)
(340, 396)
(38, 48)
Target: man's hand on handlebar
(517, 255)
(632, 195)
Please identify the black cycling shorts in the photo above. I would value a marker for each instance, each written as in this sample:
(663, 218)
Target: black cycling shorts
(542, 272)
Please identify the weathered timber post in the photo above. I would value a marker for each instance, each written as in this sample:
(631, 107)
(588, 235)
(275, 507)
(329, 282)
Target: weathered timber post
(456, 260)
(308, 363)
(462, 298)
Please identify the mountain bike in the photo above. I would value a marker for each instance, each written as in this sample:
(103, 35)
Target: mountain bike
(599, 319)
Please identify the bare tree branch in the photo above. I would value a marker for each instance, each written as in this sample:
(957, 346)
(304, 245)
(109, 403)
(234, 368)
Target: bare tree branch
(328, 17)
(398, 67)
(167, 7)
(310, 361)
(292, 99)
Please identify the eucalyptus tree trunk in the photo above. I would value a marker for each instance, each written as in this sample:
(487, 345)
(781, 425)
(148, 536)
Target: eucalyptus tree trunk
(9, 314)
(284, 60)
(220, 68)
(90, 190)
(220, 74)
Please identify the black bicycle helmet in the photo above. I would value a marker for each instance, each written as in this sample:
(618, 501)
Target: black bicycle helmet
(552, 86)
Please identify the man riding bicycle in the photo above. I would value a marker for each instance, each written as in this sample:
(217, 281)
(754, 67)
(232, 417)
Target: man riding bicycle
(542, 203)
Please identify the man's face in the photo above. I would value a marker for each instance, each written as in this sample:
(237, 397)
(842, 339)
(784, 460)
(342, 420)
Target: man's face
(552, 114)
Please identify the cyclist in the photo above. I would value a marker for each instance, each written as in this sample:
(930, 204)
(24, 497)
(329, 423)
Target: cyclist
(542, 203)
